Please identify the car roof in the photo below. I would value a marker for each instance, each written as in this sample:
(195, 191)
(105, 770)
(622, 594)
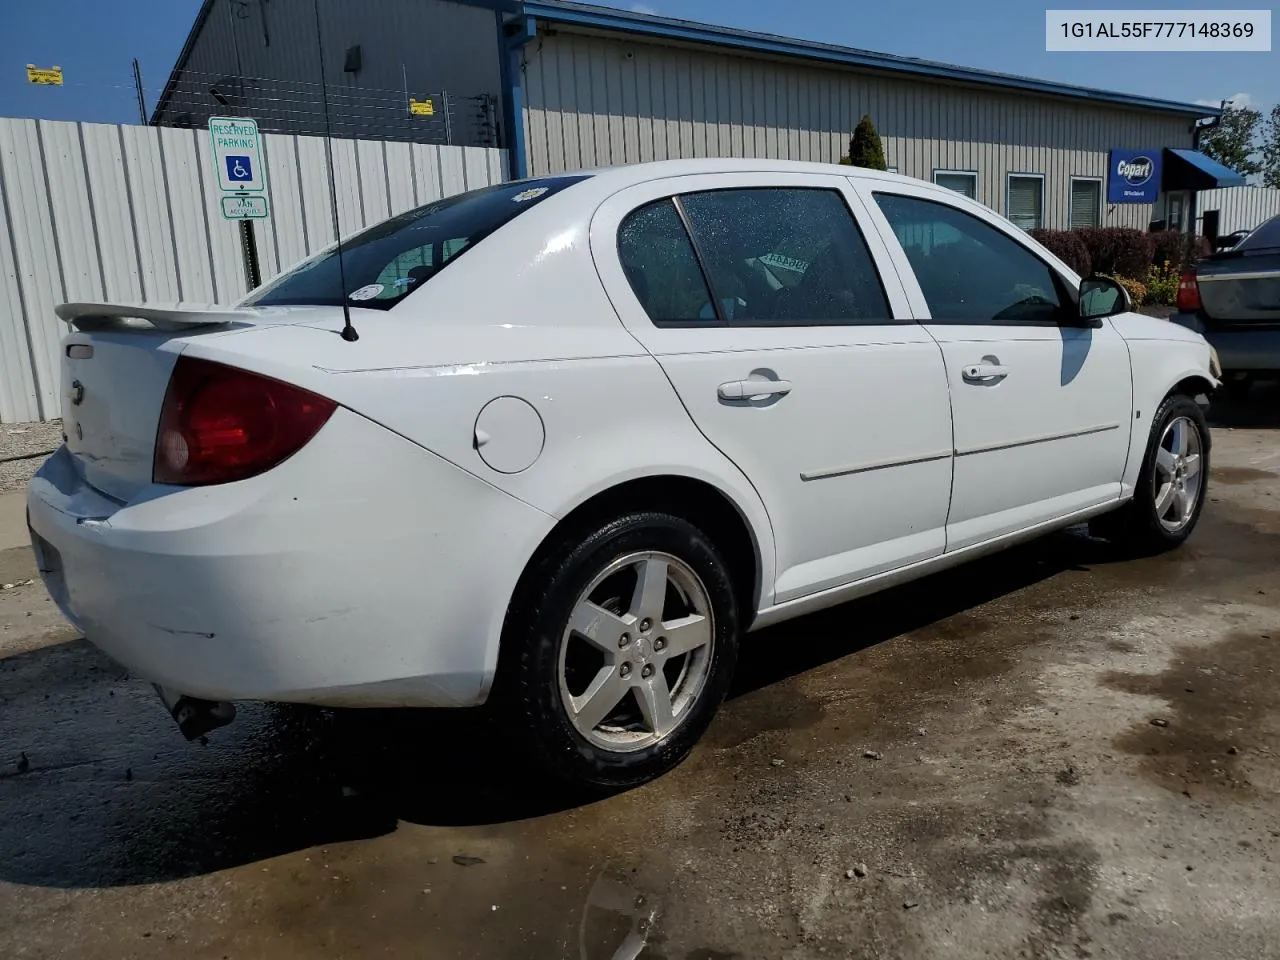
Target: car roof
(658, 169)
(602, 182)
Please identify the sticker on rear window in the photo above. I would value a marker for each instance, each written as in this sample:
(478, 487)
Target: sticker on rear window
(531, 194)
(367, 292)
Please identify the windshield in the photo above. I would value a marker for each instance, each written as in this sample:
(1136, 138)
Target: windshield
(387, 262)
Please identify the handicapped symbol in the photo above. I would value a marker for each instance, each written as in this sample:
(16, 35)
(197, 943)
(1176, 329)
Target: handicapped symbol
(239, 169)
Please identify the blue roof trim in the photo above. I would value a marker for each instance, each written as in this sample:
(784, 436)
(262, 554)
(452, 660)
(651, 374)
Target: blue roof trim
(581, 14)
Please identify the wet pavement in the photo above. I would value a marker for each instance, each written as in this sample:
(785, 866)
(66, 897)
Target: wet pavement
(1048, 753)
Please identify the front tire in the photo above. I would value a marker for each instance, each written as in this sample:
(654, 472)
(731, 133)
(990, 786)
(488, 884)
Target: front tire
(1172, 485)
(618, 650)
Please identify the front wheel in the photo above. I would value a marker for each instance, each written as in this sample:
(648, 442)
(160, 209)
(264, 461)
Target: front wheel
(619, 650)
(1172, 484)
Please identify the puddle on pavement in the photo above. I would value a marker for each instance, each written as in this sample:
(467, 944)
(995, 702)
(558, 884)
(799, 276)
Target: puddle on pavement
(1240, 475)
(1212, 704)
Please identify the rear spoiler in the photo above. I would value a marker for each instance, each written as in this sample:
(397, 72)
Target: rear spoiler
(160, 316)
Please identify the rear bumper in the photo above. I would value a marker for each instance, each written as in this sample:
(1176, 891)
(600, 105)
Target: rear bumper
(363, 571)
(1238, 350)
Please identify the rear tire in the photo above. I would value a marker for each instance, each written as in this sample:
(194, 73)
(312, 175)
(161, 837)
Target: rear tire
(618, 650)
(1172, 484)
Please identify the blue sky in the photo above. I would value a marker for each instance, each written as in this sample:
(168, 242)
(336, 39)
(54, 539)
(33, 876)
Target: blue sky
(1002, 35)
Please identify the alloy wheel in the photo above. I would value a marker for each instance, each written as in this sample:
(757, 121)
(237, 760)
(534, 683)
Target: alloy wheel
(636, 652)
(1178, 478)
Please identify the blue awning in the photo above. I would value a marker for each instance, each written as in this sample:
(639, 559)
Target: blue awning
(1190, 170)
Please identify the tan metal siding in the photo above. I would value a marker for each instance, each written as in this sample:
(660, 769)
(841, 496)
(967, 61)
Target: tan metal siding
(695, 102)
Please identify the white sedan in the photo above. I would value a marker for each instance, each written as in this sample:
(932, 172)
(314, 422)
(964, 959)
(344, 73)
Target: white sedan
(560, 445)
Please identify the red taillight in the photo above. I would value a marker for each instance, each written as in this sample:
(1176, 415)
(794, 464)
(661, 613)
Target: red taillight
(220, 423)
(1188, 291)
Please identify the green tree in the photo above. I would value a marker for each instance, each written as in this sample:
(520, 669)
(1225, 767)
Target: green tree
(865, 148)
(1231, 142)
(1271, 148)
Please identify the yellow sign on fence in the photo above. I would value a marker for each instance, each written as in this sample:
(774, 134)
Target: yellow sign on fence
(50, 76)
(422, 108)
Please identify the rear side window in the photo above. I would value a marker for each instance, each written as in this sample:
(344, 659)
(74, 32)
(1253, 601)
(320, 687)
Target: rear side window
(1264, 237)
(661, 266)
(769, 257)
(387, 262)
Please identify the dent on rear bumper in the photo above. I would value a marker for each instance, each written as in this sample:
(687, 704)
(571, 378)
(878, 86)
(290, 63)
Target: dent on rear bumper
(364, 571)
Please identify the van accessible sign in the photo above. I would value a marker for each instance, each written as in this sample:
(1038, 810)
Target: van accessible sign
(1134, 176)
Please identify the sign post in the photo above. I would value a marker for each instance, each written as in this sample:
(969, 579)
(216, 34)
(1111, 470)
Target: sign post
(242, 180)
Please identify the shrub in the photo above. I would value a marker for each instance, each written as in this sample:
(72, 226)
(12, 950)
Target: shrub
(1162, 283)
(1137, 291)
(865, 148)
(1067, 246)
(1197, 248)
(1117, 251)
(1167, 246)
(1170, 246)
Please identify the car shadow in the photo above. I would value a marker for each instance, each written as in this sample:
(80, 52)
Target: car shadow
(1260, 409)
(98, 788)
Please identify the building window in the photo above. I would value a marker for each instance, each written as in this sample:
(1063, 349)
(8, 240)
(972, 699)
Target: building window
(961, 181)
(1025, 200)
(1086, 202)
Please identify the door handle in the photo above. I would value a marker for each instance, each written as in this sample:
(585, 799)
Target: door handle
(749, 389)
(984, 372)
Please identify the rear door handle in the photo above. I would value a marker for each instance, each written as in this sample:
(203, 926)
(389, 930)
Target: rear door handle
(984, 372)
(749, 389)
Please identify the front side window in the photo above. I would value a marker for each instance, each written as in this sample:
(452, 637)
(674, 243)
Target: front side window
(969, 271)
(387, 262)
(1026, 201)
(772, 256)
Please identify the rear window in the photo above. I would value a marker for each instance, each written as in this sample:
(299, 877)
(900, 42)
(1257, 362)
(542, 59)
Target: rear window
(1265, 237)
(387, 262)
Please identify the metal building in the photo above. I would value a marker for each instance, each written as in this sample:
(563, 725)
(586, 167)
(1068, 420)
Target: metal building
(575, 85)
(421, 70)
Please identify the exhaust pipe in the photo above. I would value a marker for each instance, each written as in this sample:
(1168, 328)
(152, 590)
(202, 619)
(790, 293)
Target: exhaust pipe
(196, 717)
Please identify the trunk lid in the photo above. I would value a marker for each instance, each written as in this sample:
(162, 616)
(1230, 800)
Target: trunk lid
(1240, 288)
(116, 363)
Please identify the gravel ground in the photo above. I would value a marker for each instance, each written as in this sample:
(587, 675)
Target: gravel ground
(1054, 753)
(21, 440)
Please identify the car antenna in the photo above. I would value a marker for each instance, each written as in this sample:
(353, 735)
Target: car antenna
(348, 331)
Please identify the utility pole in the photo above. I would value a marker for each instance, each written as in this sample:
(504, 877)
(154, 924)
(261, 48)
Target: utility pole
(137, 86)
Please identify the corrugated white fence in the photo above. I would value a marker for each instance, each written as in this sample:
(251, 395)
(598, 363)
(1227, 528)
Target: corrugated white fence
(1242, 208)
(104, 212)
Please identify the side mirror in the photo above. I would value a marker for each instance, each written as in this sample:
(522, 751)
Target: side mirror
(1103, 297)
